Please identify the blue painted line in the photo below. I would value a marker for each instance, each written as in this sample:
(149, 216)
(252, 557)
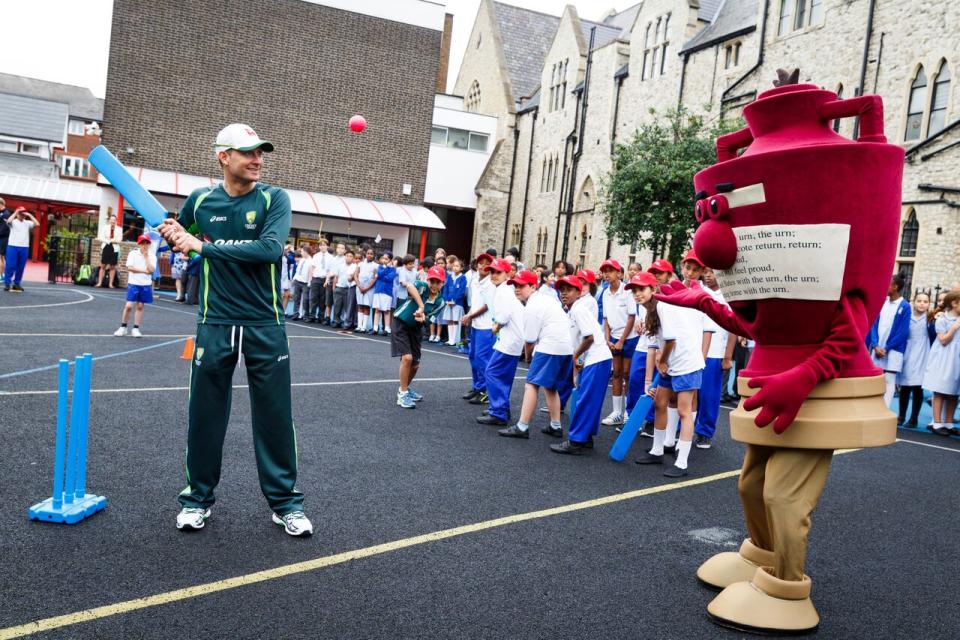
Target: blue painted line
(162, 308)
(104, 357)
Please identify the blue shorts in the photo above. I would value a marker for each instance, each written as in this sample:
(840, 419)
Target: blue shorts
(550, 371)
(140, 293)
(686, 382)
(629, 346)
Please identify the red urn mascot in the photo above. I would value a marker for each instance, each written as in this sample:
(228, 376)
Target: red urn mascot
(802, 230)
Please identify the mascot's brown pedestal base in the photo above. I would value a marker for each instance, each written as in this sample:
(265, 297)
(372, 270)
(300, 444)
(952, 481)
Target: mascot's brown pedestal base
(764, 586)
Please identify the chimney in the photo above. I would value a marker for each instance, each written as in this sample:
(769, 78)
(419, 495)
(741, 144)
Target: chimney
(444, 53)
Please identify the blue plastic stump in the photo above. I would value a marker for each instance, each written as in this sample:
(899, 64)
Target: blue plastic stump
(70, 503)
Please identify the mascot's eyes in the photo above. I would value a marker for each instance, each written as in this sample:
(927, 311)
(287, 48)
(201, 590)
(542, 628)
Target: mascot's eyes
(700, 211)
(718, 208)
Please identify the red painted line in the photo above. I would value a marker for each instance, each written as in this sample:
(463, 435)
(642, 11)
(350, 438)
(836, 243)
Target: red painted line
(408, 213)
(377, 210)
(345, 206)
(315, 207)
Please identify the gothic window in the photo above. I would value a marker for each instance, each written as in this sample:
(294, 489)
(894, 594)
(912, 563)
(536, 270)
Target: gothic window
(543, 238)
(666, 43)
(549, 174)
(646, 52)
(731, 56)
(909, 236)
(543, 176)
(563, 85)
(583, 247)
(938, 101)
(906, 270)
(918, 95)
(556, 165)
(472, 103)
(515, 235)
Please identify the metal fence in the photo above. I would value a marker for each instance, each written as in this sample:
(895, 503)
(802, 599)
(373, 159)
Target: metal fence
(66, 255)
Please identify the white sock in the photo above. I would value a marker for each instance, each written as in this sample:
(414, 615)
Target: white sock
(522, 426)
(658, 436)
(618, 405)
(683, 451)
(673, 421)
(891, 386)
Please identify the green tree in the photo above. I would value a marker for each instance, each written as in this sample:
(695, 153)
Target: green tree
(647, 198)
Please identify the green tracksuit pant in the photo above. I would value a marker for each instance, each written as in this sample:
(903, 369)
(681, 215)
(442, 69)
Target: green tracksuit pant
(266, 354)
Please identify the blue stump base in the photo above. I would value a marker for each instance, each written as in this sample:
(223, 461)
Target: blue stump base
(71, 513)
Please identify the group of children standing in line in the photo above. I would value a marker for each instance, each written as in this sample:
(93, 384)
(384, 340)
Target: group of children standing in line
(579, 341)
(918, 349)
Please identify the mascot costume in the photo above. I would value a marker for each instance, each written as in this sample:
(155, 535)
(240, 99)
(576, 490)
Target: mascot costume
(802, 230)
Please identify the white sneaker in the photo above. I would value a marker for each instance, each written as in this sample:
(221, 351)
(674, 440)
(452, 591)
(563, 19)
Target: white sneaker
(122, 331)
(192, 518)
(294, 523)
(613, 419)
(136, 333)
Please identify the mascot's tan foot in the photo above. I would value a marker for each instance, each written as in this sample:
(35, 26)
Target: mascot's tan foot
(729, 567)
(766, 605)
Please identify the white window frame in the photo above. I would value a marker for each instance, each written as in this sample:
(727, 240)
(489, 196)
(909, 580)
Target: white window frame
(76, 160)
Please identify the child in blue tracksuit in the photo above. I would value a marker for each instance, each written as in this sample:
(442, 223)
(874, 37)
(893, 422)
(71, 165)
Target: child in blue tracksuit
(508, 329)
(593, 360)
(480, 321)
(455, 294)
(887, 339)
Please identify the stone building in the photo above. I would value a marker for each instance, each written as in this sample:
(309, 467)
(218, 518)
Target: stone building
(557, 134)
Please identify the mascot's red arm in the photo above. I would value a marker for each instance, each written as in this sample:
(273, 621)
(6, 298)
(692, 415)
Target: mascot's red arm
(695, 297)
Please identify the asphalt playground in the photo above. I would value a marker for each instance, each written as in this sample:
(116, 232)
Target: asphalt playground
(427, 524)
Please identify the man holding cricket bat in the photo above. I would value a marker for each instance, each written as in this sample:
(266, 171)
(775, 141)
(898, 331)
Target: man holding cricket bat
(244, 225)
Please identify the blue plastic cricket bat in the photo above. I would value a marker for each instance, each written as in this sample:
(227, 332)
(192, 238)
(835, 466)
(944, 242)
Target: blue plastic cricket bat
(629, 431)
(132, 191)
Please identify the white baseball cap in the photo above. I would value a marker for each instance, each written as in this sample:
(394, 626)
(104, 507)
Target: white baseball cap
(240, 137)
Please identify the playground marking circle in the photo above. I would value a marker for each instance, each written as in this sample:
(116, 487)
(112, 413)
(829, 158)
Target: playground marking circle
(88, 298)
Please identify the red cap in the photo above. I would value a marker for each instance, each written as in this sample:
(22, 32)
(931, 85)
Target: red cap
(642, 279)
(661, 265)
(690, 255)
(610, 263)
(500, 265)
(587, 276)
(572, 281)
(437, 273)
(524, 277)
(144, 238)
(485, 256)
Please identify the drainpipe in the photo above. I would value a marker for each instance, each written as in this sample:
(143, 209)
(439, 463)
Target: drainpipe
(513, 170)
(563, 180)
(616, 113)
(863, 63)
(683, 76)
(571, 188)
(763, 38)
(526, 188)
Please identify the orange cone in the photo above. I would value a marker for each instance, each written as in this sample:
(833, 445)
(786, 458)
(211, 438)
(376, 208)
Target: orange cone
(187, 350)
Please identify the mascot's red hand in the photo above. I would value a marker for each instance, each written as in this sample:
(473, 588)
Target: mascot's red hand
(780, 396)
(695, 297)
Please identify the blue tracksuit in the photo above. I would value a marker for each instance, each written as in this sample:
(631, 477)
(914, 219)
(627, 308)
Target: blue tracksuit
(481, 346)
(592, 391)
(500, 372)
(638, 370)
(16, 263)
(708, 404)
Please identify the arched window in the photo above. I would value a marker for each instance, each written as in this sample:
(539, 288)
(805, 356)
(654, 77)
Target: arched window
(786, 14)
(918, 100)
(472, 103)
(909, 236)
(938, 101)
(556, 166)
(583, 247)
(836, 123)
(549, 174)
(543, 176)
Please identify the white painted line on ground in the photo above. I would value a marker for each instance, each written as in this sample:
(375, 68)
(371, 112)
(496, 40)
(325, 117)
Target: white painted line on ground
(50, 392)
(107, 356)
(88, 298)
(145, 336)
(932, 446)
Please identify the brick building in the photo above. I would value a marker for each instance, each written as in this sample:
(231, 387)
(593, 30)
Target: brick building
(712, 57)
(296, 72)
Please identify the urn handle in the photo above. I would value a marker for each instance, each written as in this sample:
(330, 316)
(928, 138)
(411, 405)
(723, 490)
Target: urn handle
(729, 144)
(868, 108)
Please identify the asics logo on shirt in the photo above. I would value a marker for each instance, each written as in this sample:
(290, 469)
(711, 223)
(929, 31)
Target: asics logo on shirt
(218, 218)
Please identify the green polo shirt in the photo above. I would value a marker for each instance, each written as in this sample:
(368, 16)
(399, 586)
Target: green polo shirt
(243, 245)
(431, 309)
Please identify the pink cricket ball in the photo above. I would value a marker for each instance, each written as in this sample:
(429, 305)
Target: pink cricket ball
(358, 123)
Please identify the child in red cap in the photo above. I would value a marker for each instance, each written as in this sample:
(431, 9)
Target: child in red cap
(140, 266)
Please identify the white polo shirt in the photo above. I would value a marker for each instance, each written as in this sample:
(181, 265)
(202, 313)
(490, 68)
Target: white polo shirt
(685, 328)
(583, 323)
(137, 260)
(344, 271)
(718, 343)
(617, 308)
(508, 313)
(546, 324)
(366, 271)
(482, 294)
(638, 328)
(20, 232)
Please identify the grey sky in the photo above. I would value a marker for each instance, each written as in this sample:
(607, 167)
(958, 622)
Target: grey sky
(68, 40)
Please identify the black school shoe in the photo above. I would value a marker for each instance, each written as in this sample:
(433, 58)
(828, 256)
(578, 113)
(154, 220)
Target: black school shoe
(470, 395)
(941, 431)
(491, 420)
(480, 398)
(553, 433)
(16, 289)
(701, 442)
(675, 472)
(649, 458)
(513, 432)
(647, 430)
(570, 448)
